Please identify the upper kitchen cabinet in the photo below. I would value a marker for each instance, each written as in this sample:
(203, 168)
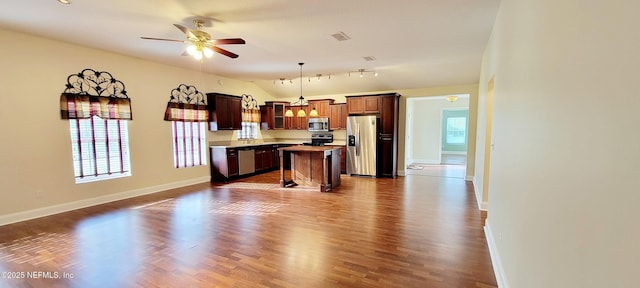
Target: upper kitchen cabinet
(295, 122)
(321, 106)
(363, 105)
(225, 112)
(272, 115)
(338, 116)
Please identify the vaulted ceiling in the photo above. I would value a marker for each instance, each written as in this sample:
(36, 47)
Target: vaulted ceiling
(414, 43)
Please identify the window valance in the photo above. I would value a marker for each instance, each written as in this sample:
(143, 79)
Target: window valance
(186, 104)
(92, 93)
(74, 106)
(250, 109)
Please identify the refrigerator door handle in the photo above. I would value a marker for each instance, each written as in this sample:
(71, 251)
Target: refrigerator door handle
(357, 139)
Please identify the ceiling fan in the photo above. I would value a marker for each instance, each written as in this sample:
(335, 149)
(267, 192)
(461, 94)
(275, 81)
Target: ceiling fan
(200, 42)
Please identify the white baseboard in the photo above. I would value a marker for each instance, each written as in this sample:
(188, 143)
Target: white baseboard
(468, 178)
(55, 209)
(482, 205)
(426, 161)
(401, 173)
(498, 269)
(455, 152)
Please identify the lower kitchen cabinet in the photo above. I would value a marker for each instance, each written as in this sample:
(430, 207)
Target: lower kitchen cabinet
(224, 164)
(265, 158)
(343, 158)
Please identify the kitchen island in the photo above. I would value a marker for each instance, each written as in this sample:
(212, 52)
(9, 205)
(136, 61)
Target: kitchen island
(311, 166)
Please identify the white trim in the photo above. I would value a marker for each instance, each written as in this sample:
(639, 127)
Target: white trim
(425, 161)
(64, 207)
(498, 269)
(482, 205)
(401, 173)
(469, 178)
(454, 152)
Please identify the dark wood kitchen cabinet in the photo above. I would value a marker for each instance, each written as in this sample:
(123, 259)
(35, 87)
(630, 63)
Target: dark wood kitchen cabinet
(357, 105)
(264, 158)
(272, 115)
(321, 106)
(343, 158)
(295, 122)
(224, 163)
(225, 112)
(338, 116)
(388, 139)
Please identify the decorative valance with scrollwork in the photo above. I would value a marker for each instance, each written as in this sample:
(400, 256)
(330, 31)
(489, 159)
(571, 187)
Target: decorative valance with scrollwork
(186, 104)
(92, 93)
(250, 109)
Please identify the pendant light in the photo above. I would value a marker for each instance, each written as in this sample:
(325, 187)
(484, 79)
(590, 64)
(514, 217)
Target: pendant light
(300, 102)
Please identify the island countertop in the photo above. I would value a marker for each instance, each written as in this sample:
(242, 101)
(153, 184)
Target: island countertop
(306, 148)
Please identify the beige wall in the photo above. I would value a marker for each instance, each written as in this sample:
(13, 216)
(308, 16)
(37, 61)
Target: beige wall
(36, 170)
(563, 192)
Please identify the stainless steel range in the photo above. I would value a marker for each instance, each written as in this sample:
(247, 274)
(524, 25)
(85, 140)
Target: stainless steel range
(319, 139)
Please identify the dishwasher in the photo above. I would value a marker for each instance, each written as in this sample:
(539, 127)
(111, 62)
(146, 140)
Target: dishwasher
(246, 161)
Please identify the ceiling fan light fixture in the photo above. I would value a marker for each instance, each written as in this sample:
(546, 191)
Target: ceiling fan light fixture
(192, 49)
(207, 52)
(64, 1)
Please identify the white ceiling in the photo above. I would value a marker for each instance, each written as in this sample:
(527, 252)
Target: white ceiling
(416, 43)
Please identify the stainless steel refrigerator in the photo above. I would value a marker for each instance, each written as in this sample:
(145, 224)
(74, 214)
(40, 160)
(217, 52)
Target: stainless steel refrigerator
(362, 140)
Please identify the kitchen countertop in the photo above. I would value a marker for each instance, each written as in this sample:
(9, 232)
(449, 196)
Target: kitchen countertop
(242, 144)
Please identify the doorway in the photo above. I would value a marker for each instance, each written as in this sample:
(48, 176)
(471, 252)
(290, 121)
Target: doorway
(454, 136)
(436, 136)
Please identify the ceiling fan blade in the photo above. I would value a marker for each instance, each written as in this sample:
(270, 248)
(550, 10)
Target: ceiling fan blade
(228, 41)
(184, 30)
(162, 39)
(224, 52)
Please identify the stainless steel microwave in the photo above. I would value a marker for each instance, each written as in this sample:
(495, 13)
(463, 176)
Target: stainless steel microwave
(318, 124)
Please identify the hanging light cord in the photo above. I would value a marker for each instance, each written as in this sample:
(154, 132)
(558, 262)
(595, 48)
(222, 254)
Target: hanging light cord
(301, 82)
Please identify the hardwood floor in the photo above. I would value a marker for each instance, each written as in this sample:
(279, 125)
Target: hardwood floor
(413, 231)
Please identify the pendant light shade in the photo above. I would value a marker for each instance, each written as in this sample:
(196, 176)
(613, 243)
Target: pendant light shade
(288, 113)
(313, 112)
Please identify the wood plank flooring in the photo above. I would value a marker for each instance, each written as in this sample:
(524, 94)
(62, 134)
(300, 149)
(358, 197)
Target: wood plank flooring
(413, 231)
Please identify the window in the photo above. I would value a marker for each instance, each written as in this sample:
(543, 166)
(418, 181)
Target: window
(456, 130)
(249, 131)
(100, 149)
(189, 144)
